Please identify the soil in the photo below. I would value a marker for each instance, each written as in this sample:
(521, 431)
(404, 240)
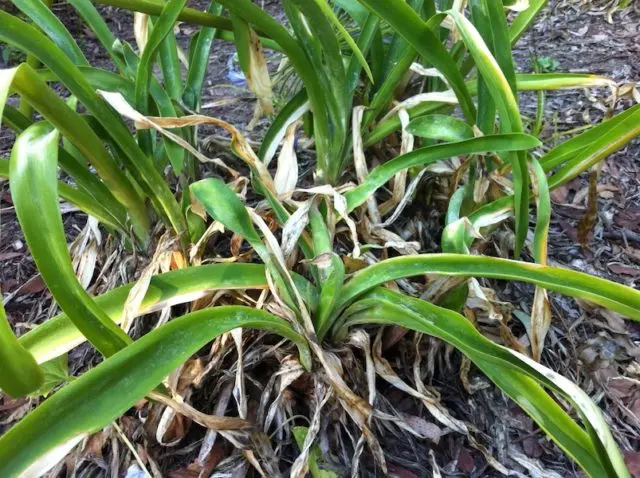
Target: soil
(592, 347)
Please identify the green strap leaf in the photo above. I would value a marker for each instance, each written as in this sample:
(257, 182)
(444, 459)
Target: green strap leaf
(317, 37)
(397, 45)
(386, 92)
(162, 28)
(582, 152)
(486, 106)
(94, 20)
(89, 186)
(21, 374)
(543, 212)
(617, 297)
(33, 182)
(41, 14)
(82, 200)
(501, 41)
(29, 39)
(440, 127)
(330, 269)
(408, 23)
(524, 82)
(559, 81)
(605, 132)
(261, 21)
(574, 156)
(189, 15)
(170, 63)
(397, 72)
(107, 391)
(328, 12)
(59, 335)
(225, 206)
(26, 82)
(520, 377)
(199, 61)
(354, 9)
(290, 113)
(430, 154)
(511, 122)
(369, 39)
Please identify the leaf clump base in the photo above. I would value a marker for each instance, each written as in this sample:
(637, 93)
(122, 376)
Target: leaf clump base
(344, 263)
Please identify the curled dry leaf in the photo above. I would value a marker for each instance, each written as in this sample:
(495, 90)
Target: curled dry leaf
(279, 260)
(533, 466)
(400, 179)
(293, 229)
(460, 426)
(84, 251)
(422, 428)
(622, 269)
(430, 401)
(239, 392)
(141, 30)
(301, 465)
(388, 239)
(198, 468)
(481, 300)
(287, 172)
(340, 205)
(429, 72)
(360, 161)
(172, 427)
(360, 339)
(208, 421)
(258, 78)
(435, 469)
(117, 101)
(629, 91)
(195, 254)
(448, 97)
(93, 445)
(540, 322)
(161, 257)
(209, 440)
(585, 226)
(289, 372)
(356, 407)
(405, 200)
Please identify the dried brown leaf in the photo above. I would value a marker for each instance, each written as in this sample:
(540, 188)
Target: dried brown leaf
(161, 257)
(208, 421)
(588, 221)
(141, 30)
(286, 177)
(540, 322)
(258, 78)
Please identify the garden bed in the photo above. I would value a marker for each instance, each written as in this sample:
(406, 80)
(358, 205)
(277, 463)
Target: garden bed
(594, 348)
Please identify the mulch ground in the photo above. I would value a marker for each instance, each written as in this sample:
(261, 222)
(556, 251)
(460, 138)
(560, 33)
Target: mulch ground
(594, 348)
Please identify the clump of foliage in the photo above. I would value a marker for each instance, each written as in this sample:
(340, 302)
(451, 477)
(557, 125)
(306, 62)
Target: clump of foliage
(354, 96)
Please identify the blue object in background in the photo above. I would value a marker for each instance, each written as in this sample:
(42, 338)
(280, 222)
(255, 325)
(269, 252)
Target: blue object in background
(234, 73)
